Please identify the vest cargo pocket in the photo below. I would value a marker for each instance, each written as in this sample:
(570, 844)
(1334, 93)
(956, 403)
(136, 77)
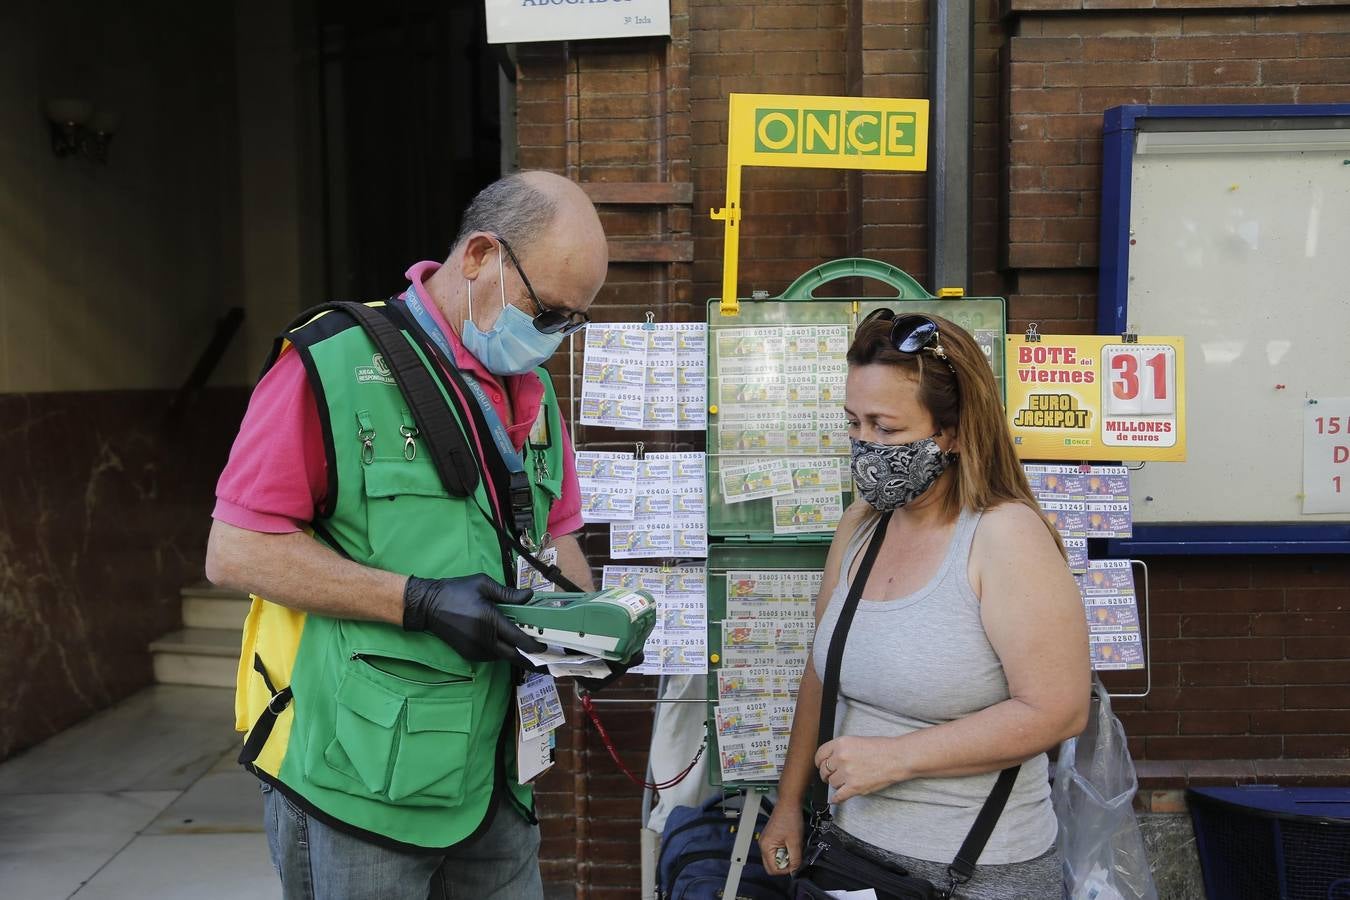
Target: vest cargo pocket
(403, 499)
(434, 749)
(363, 743)
(401, 723)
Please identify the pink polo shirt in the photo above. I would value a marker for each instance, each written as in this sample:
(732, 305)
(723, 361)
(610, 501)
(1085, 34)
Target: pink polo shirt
(277, 473)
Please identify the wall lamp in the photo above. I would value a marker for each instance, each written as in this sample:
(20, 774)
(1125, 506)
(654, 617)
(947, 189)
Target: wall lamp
(80, 129)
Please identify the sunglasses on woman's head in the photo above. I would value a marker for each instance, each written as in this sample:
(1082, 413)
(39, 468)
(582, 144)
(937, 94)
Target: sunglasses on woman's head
(547, 320)
(911, 333)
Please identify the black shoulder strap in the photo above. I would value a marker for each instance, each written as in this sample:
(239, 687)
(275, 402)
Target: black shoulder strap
(431, 412)
(450, 450)
(963, 866)
(829, 679)
(497, 469)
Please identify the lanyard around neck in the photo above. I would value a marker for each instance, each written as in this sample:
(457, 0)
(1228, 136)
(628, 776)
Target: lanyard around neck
(509, 454)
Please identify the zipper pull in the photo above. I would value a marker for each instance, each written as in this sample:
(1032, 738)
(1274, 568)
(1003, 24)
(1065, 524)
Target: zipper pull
(365, 433)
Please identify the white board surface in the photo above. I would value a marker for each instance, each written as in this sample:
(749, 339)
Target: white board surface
(1240, 242)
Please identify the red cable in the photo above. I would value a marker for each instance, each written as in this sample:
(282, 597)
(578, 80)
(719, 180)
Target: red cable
(614, 753)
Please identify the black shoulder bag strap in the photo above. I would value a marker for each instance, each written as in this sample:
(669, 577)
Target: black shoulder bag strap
(436, 423)
(450, 450)
(963, 867)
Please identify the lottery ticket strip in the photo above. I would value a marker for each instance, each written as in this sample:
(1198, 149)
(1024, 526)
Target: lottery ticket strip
(1094, 502)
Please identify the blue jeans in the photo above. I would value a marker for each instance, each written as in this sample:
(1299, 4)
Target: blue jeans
(319, 862)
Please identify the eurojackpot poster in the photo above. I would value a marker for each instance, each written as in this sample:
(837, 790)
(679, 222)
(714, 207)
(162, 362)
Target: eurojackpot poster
(1097, 397)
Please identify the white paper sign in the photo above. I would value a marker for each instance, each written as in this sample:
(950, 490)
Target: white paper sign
(520, 21)
(1326, 456)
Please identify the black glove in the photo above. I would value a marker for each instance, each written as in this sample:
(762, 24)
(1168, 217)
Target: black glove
(461, 612)
(616, 671)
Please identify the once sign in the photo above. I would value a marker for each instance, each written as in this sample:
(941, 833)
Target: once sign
(828, 132)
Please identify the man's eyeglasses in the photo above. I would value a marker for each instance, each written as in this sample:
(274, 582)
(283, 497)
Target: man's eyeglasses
(546, 320)
(912, 333)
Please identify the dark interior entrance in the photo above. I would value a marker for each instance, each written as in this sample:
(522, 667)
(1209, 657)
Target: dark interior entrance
(411, 130)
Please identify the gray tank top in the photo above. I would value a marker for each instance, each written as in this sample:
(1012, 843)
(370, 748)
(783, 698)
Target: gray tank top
(918, 661)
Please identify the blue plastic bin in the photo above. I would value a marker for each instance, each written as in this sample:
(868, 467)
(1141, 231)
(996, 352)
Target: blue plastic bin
(1263, 842)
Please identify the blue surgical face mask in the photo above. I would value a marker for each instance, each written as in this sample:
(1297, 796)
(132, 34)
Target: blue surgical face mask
(513, 346)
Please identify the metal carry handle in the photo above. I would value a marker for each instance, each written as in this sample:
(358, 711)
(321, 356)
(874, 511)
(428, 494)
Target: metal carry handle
(854, 267)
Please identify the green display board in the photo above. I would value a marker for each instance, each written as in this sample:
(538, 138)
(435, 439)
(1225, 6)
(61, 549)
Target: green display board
(741, 557)
(776, 372)
(776, 391)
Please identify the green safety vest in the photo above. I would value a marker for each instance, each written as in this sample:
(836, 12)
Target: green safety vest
(390, 734)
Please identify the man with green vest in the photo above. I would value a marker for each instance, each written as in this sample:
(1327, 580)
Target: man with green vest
(377, 679)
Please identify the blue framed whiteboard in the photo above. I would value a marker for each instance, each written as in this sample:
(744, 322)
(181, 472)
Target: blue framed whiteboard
(1230, 225)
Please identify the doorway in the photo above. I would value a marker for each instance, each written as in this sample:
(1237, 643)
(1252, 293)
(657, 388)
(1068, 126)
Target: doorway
(411, 128)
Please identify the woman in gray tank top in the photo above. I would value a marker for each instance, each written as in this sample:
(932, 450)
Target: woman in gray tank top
(968, 652)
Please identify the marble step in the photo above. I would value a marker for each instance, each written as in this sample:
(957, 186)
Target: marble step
(202, 656)
(207, 606)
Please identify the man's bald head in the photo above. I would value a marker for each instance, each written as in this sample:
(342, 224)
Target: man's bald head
(552, 227)
(524, 207)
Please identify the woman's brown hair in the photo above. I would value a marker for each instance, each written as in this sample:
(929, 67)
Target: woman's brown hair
(963, 397)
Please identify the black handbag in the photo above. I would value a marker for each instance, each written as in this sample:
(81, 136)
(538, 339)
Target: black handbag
(830, 867)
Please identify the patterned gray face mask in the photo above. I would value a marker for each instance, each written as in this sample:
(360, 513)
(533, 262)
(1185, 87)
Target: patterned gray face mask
(890, 475)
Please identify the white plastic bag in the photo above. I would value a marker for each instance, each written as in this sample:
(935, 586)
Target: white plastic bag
(1093, 795)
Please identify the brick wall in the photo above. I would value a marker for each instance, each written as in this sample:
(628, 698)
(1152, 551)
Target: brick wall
(1250, 675)
(1066, 69)
(1250, 660)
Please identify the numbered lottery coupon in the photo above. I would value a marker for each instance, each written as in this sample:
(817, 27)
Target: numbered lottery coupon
(1107, 576)
(1068, 517)
(748, 645)
(732, 439)
(760, 391)
(616, 409)
(745, 684)
(742, 718)
(830, 385)
(651, 579)
(1056, 482)
(1078, 554)
(747, 758)
(1112, 613)
(634, 540)
(833, 426)
(744, 350)
(623, 338)
(608, 485)
(802, 434)
(691, 375)
(684, 659)
(832, 341)
(801, 388)
(527, 576)
(799, 341)
(1109, 519)
(1116, 651)
(805, 512)
(1107, 483)
(816, 474)
(755, 480)
(781, 711)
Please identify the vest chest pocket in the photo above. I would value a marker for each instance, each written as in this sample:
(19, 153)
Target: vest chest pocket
(406, 505)
(389, 745)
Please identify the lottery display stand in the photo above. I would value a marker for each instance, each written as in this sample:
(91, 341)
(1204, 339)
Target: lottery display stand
(778, 481)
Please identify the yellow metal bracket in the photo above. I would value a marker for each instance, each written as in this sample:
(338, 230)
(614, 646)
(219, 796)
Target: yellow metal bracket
(799, 131)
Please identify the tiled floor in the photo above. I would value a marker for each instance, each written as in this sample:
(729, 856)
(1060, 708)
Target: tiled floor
(140, 802)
